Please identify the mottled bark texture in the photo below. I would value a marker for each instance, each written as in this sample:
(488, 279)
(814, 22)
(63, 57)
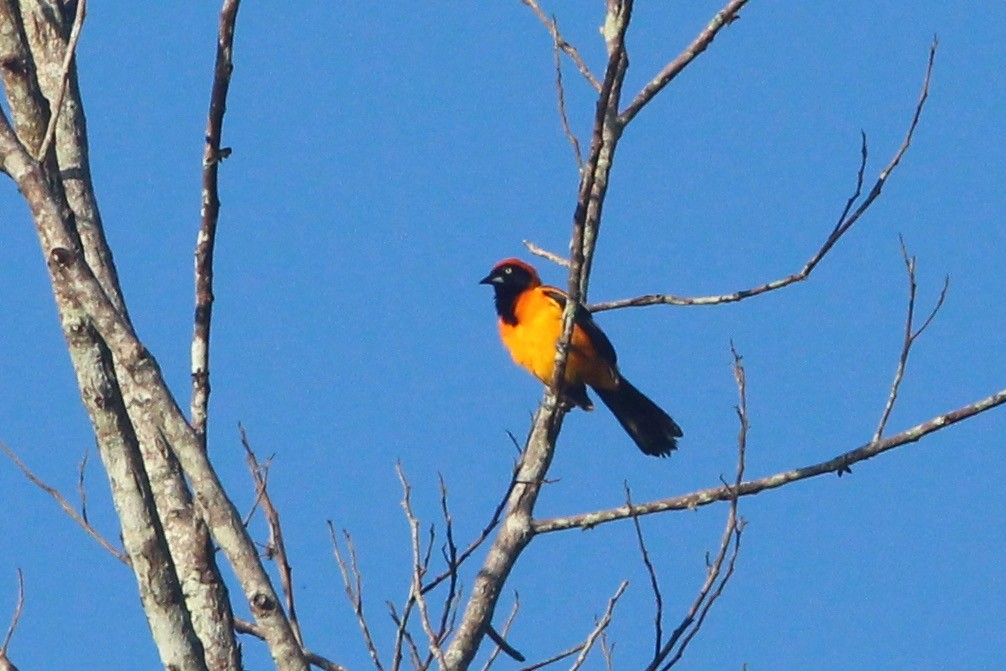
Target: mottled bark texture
(151, 454)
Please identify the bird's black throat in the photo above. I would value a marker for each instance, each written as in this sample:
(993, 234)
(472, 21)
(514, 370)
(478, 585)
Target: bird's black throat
(505, 298)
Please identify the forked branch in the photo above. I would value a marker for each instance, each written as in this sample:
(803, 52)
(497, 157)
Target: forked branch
(850, 215)
(911, 334)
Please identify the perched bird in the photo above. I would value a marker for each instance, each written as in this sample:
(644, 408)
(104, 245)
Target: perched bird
(530, 323)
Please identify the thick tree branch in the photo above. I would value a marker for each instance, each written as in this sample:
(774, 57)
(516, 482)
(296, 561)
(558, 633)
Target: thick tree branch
(148, 400)
(516, 532)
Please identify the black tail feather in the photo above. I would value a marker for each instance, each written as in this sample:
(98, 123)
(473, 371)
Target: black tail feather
(653, 429)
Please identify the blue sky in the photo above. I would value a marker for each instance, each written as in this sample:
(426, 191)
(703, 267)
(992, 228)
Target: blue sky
(384, 158)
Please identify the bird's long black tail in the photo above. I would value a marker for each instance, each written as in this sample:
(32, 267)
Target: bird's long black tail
(653, 429)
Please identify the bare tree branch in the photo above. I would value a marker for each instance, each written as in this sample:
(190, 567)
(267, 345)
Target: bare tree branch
(210, 213)
(57, 105)
(276, 548)
(561, 43)
(723, 18)
(545, 254)
(418, 569)
(506, 630)
(599, 628)
(474, 545)
(716, 579)
(910, 336)
(315, 660)
(705, 497)
(560, 94)
(658, 599)
(79, 518)
(845, 222)
(353, 581)
(5, 663)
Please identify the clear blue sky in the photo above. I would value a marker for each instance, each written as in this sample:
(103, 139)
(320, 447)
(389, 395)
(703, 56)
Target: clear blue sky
(386, 155)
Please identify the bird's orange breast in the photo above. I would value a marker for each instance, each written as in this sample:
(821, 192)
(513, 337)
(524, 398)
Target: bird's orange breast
(531, 342)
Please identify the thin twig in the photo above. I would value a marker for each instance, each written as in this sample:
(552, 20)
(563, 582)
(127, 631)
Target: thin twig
(723, 18)
(658, 617)
(209, 215)
(716, 579)
(402, 634)
(450, 552)
(16, 616)
(418, 569)
(561, 97)
(57, 104)
(64, 504)
(81, 490)
(474, 545)
(599, 628)
(558, 657)
(562, 44)
(545, 254)
(506, 630)
(314, 659)
(353, 582)
(841, 228)
(276, 546)
(608, 650)
(910, 335)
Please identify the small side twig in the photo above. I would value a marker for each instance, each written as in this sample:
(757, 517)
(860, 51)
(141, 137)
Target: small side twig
(81, 490)
(64, 504)
(599, 628)
(562, 44)
(5, 663)
(658, 617)
(506, 630)
(276, 548)
(403, 636)
(252, 629)
(560, 93)
(474, 545)
(545, 254)
(57, 104)
(911, 334)
(418, 570)
(353, 581)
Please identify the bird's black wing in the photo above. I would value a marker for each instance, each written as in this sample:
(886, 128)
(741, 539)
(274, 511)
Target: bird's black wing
(585, 321)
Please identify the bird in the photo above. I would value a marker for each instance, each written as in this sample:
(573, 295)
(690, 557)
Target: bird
(529, 316)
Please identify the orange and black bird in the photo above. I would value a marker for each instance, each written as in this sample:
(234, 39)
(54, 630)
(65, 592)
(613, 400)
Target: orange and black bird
(530, 323)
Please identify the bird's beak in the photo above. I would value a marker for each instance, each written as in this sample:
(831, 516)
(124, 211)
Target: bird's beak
(491, 279)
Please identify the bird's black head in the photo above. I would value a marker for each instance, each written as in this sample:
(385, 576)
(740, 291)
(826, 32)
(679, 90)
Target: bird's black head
(509, 278)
